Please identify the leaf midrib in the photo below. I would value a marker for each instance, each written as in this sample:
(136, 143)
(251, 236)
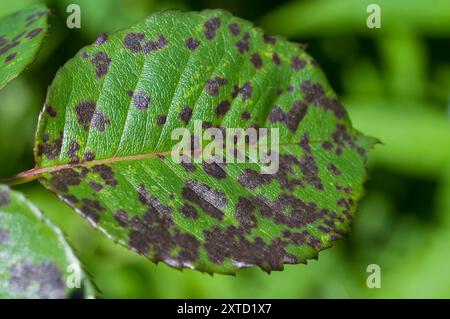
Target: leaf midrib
(37, 171)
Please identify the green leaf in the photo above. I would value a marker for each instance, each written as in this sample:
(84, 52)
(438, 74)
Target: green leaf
(36, 261)
(104, 141)
(337, 17)
(21, 36)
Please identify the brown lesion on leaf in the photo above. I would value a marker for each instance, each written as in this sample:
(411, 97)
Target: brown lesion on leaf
(50, 111)
(252, 179)
(256, 60)
(45, 280)
(106, 173)
(5, 198)
(269, 39)
(297, 63)
(302, 238)
(213, 85)
(50, 148)
(154, 45)
(101, 39)
(218, 171)
(91, 209)
(243, 45)
(342, 139)
(61, 180)
(74, 147)
(186, 114)
(211, 201)
(192, 44)
(4, 234)
(245, 214)
(210, 27)
(245, 91)
(308, 164)
(222, 108)
(314, 93)
(333, 169)
(70, 199)
(137, 42)
(10, 57)
(187, 164)
(234, 29)
(161, 120)
(246, 115)
(34, 33)
(95, 186)
(189, 211)
(85, 111)
(100, 121)
(231, 243)
(88, 156)
(141, 100)
(345, 189)
(32, 18)
(155, 234)
(101, 63)
(290, 119)
(276, 58)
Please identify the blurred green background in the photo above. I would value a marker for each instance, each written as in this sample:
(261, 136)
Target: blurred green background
(395, 82)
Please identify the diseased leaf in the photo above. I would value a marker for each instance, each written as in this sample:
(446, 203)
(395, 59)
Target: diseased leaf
(104, 142)
(35, 259)
(21, 36)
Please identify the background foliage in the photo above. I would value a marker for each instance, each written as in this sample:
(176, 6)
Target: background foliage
(395, 82)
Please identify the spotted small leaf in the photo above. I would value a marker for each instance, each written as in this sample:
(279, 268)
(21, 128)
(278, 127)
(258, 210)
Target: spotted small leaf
(21, 36)
(104, 142)
(35, 259)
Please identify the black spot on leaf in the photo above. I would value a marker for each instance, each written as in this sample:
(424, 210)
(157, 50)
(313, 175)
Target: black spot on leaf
(243, 44)
(223, 108)
(101, 39)
(297, 63)
(4, 235)
(189, 211)
(44, 278)
(269, 39)
(100, 121)
(192, 44)
(215, 170)
(101, 63)
(85, 111)
(161, 120)
(210, 27)
(213, 85)
(50, 111)
(256, 60)
(206, 198)
(141, 100)
(234, 29)
(34, 33)
(4, 197)
(74, 147)
(106, 173)
(133, 41)
(10, 57)
(186, 114)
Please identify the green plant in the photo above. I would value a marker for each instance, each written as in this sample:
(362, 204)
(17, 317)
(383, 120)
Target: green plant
(104, 142)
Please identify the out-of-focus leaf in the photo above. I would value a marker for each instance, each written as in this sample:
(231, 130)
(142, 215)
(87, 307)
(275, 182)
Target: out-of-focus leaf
(21, 36)
(404, 57)
(108, 16)
(35, 259)
(105, 133)
(331, 17)
(414, 142)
